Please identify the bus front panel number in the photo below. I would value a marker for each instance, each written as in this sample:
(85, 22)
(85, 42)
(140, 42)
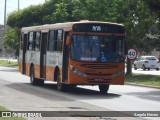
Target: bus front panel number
(96, 28)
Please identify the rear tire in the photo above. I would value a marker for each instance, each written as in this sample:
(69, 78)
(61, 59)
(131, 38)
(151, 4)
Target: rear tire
(33, 80)
(60, 85)
(103, 88)
(157, 69)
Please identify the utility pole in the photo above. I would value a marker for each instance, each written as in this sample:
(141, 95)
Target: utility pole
(18, 5)
(5, 27)
(5, 6)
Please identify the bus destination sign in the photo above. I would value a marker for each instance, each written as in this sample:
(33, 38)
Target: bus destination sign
(103, 28)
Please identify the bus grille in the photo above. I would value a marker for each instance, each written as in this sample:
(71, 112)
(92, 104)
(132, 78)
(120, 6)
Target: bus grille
(99, 66)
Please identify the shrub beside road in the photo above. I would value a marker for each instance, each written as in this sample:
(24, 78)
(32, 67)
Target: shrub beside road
(152, 80)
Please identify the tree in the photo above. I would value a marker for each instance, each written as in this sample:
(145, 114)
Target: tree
(154, 33)
(154, 5)
(11, 40)
(25, 17)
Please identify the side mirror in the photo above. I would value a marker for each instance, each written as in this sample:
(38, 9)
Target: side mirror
(68, 41)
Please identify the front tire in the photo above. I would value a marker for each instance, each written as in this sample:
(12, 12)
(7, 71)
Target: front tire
(103, 88)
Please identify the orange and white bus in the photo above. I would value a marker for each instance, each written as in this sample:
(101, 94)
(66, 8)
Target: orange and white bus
(74, 53)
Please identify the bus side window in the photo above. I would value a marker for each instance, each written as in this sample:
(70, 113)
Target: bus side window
(34, 41)
(58, 40)
(37, 41)
(51, 41)
(30, 41)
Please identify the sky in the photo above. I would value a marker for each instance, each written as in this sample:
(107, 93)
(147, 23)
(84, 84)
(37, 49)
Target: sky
(13, 5)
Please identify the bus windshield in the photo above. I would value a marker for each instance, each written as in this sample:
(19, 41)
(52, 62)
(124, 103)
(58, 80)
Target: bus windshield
(93, 48)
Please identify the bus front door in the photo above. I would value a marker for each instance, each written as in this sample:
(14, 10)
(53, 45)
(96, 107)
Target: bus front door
(43, 55)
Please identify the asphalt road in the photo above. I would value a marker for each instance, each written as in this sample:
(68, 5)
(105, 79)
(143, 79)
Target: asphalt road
(18, 95)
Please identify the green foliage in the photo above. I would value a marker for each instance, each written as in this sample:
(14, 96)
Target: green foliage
(8, 63)
(154, 5)
(26, 17)
(153, 80)
(9, 118)
(11, 39)
(3, 109)
(60, 13)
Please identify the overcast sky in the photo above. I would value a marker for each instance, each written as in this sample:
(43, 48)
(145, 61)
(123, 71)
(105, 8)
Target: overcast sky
(13, 5)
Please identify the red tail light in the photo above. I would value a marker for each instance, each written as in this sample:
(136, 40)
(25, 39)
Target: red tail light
(146, 61)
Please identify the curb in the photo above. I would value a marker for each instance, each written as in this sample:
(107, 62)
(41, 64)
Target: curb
(142, 85)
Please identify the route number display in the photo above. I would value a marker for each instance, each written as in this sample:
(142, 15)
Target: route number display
(132, 54)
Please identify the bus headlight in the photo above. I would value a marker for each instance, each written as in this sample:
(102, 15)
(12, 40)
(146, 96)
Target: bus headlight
(74, 70)
(118, 73)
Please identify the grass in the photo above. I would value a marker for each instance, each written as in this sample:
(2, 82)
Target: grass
(3, 109)
(8, 63)
(8, 118)
(153, 80)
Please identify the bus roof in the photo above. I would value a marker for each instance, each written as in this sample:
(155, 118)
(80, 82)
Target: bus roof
(66, 26)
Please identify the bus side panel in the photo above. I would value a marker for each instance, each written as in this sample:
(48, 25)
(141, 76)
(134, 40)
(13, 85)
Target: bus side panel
(33, 58)
(28, 69)
(36, 71)
(53, 60)
(20, 61)
(49, 73)
(20, 67)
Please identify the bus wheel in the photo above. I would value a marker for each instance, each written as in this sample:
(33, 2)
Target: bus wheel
(60, 85)
(33, 80)
(103, 88)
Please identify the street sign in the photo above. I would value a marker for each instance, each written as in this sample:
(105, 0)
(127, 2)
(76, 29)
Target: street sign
(132, 54)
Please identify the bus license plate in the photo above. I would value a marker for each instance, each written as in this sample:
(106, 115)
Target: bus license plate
(99, 79)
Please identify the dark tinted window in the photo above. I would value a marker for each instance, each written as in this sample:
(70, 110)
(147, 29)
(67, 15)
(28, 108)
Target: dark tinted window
(59, 40)
(51, 41)
(55, 40)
